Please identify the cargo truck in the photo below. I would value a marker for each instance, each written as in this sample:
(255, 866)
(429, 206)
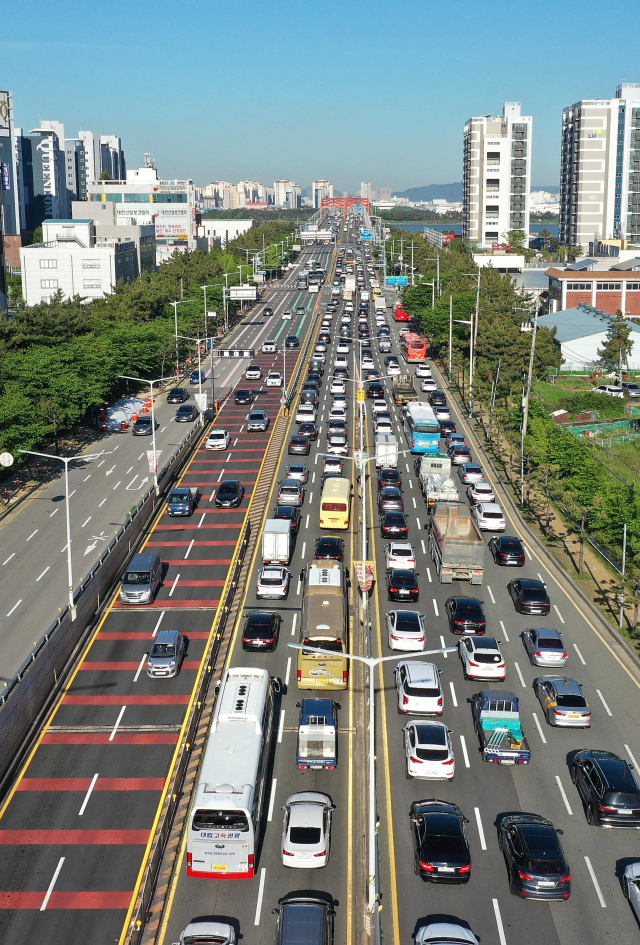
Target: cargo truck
(438, 489)
(183, 500)
(455, 543)
(317, 734)
(403, 389)
(432, 464)
(276, 541)
(496, 717)
(380, 305)
(386, 450)
(349, 288)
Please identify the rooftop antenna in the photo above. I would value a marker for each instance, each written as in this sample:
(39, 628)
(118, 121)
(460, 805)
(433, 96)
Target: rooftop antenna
(148, 160)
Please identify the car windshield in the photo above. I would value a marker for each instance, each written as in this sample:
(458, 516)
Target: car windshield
(228, 488)
(492, 515)
(220, 820)
(163, 649)
(407, 622)
(468, 608)
(136, 577)
(285, 511)
(406, 578)
(255, 417)
(306, 836)
(401, 553)
(509, 545)
(473, 471)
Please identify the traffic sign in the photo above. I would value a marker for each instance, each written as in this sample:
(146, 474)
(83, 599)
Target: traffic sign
(360, 394)
(6, 459)
(234, 353)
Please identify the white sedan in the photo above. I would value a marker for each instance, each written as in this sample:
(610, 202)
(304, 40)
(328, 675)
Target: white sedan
(480, 492)
(481, 658)
(218, 440)
(269, 346)
(342, 348)
(399, 554)
(429, 751)
(367, 362)
(337, 445)
(379, 406)
(338, 412)
(428, 384)
(406, 630)
(338, 386)
(306, 831)
(383, 425)
(423, 370)
(274, 379)
(393, 369)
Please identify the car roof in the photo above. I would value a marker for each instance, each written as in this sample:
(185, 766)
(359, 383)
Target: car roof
(563, 685)
(490, 506)
(483, 643)
(167, 636)
(418, 672)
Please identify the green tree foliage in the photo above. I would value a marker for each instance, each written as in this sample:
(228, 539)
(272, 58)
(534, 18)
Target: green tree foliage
(618, 344)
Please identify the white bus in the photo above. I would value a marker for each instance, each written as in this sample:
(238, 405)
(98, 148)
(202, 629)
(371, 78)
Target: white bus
(225, 816)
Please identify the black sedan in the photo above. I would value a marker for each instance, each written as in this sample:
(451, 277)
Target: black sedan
(440, 842)
(244, 396)
(267, 311)
(229, 495)
(608, 788)
(437, 398)
(292, 341)
(299, 444)
(309, 430)
(289, 513)
(394, 525)
(402, 585)
(389, 476)
(529, 597)
(261, 630)
(507, 551)
(315, 377)
(447, 427)
(325, 336)
(375, 390)
(187, 413)
(534, 857)
(465, 615)
(390, 498)
(178, 395)
(329, 548)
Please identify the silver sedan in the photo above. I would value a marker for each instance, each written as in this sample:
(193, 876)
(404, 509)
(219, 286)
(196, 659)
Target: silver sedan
(544, 647)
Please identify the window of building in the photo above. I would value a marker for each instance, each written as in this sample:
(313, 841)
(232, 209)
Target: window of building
(127, 259)
(633, 286)
(578, 287)
(119, 260)
(608, 286)
(48, 283)
(169, 198)
(91, 283)
(493, 155)
(90, 263)
(493, 182)
(48, 263)
(137, 198)
(492, 208)
(492, 235)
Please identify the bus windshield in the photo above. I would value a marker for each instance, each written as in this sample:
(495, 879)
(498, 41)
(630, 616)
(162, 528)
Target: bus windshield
(334, 645)
(220, 820)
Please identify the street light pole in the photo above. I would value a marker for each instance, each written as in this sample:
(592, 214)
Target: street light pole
(175, 315)
(144, 380)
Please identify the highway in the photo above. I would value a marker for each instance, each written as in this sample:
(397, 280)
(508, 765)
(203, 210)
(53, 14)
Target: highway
(77, 822)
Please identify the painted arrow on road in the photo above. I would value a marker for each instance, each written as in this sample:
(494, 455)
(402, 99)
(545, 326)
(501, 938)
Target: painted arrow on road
(109, 471)
(96, 539)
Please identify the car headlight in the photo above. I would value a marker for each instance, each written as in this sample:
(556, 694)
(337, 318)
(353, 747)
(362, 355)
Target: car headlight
(172, 663)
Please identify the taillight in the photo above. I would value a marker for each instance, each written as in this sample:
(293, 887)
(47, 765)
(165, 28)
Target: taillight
(603, 807)
(525, 876)
(405, 700)
(252, 861)
(419, 639)
(465, 869)
(449, 762)
(189, 860)
(565, 656)
(440, 701)
(427, 867)
(565, 879)
(538, 654)
(299, 675)
(394, 637)
(345, 673)
(324, 853)
(394, 590)
(286, 853)
(471, 663)
(417, 761)
(270, 640)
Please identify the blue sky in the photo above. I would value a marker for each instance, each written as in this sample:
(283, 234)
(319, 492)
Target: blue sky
(350, 90)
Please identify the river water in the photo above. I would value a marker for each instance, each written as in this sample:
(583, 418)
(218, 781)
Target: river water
(457, 227)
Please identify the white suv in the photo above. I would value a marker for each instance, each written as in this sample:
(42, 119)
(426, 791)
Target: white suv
(489, 517)
(419, 688)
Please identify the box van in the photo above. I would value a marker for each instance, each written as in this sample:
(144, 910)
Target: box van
(142, 578)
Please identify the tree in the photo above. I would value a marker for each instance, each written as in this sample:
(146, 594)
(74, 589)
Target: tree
(617, 346)
(105, 176)
(518, 241)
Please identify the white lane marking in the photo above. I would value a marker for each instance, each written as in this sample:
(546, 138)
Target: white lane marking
(454, 698)
(108, 472)
(43, 573)
(465, 753)
(504, 632)
(221, 474)
(307, 522)
(443, 644)
(228, 458)
(493, 600)
(293, 624)
(11, 556)
(117, 484)
(86, 522)
(414, 502)
(14, 607)
(419, 525)
(288, 673)
(62, 550)
(132, 481)
(189, 548)
(53, 513)
(241, 428)
(606, 707)
(580, 656)
(118, 720)
(483, 842)
(527, 553)
(173, 586)
(273, 796)
(406, 464)
(89, 476)
(47, 895)
(564, 795)
(522, 682)
(72, 493)
(299, 586)
(424, 551)
(281, 725)
(139, 458)
(304, 545)
(595, 882)
(633, 760)
(558, 613)
(31, 535)
(496, 910)
(411, 486)
(126, 474)
(157, 626)
(163, 429)
(116, 447)
(88, 795)
(435, 607)
(212, 495)
(102, 461)
(539, 727)
(139, 669)
(235, 441)
(313, 478)
(201, 520)
(263, 873)
(311, 496)
(101, 504)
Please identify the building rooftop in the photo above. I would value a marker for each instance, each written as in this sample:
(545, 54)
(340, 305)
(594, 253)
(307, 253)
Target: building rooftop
(579, 322)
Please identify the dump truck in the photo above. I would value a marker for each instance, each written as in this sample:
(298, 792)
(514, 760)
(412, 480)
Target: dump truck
(496, 717)
(403, 389)
(317, 734)
(455, 543)
(183, 500)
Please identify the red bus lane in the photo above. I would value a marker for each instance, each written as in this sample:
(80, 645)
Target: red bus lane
(77, 823)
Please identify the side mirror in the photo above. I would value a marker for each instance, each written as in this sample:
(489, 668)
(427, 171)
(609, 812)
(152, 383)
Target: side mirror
(298, 705)
(277, 685)
(561, 832)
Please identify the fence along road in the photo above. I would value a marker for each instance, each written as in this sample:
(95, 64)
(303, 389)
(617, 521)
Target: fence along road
(80, 815)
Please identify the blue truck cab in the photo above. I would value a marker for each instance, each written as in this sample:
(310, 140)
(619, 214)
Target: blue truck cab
(496, 716)
(317, 734)
(183, 500)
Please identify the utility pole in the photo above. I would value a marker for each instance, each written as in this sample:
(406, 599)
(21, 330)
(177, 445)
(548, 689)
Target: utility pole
(525, 402)
(412, 276)
(450, 336)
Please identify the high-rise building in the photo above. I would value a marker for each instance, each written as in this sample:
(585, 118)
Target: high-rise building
(383, 193)
(11, 208)
(600, 168)
(43, 174)
(287, 194)
(365, 191)
(320, 189)
(496, 175)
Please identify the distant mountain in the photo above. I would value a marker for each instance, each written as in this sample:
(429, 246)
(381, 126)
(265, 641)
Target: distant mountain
(451, 192)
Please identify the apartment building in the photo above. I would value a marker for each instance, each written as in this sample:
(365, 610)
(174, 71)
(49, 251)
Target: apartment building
(600, 168)
(496, 175)
(287, 194)
(320, 189)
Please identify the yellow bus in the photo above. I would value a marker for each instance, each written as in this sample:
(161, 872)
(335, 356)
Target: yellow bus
(324, 624)
(334, 503)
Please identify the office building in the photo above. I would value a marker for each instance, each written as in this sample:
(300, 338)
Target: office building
(382, 193)
(112, 160)
(109, 230)
(366, 191)
(43, 174)
(496, 176)
(70, 260)
(144, 198)
(287, 194)
(219, 232)
(11, 213)
(600, 168)
(320, 189)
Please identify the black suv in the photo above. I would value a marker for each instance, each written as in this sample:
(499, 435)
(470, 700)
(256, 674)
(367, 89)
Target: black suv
(292, 341)
(290, 513)
(177, 396)
(440, 843)
(244, 396)
(534, 857)
(261, 629)
(607, 787)
(229, 494)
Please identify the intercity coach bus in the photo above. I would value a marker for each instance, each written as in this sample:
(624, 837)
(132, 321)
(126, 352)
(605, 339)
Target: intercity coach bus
(324, 624)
